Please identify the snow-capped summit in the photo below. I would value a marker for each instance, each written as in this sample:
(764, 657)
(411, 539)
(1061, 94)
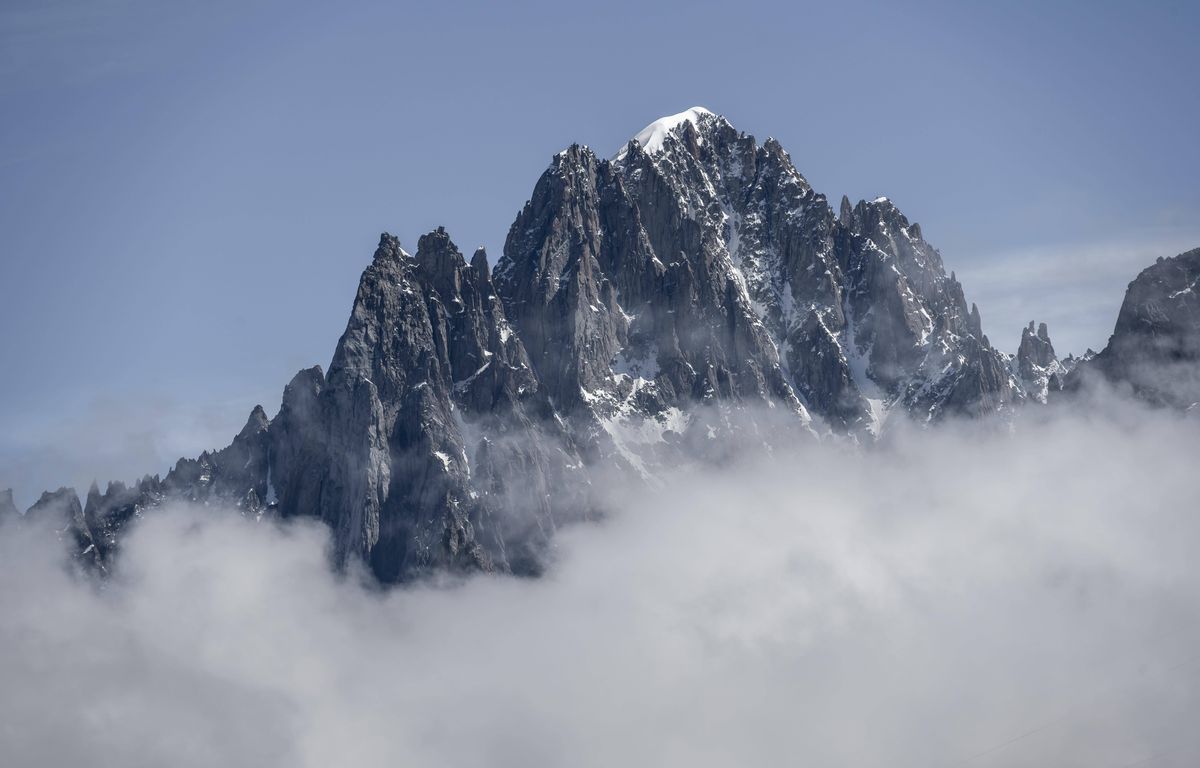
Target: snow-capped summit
(651, 137)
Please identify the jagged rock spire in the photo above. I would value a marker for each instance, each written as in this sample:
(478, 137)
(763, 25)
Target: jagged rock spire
(479, 262)
(1037, 365)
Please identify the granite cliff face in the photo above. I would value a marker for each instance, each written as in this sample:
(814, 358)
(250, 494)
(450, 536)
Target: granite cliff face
(1038, 368)
(684, 299)
(431, 442)
(1154, 350)
(706, 260)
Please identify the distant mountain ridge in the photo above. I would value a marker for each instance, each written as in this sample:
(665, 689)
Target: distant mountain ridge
(690, 290)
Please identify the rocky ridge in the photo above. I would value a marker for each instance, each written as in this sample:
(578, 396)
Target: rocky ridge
(1154, 350)
(1038, 368)
(686, 298)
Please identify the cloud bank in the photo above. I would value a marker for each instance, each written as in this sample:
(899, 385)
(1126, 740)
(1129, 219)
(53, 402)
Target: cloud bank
(955, 597)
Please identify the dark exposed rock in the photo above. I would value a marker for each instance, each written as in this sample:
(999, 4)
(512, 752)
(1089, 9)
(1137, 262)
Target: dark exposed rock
(630, 309)
(823, 374)
(868, 275)
(1154, 350)
(1035, 352)
(237, 472)
(921, 341)
(61, 505)
(646, 308)
(710, 261)
(62, 510)
(430, 443)
(1070, 362)
(1038, 367)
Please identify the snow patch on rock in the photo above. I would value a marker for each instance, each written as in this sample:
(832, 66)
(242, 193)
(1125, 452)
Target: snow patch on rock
(652, 136)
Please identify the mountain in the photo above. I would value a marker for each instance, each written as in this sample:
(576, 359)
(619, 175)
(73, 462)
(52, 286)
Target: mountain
(1154, 350)
(708, 260)
(1038, 368)
(691, 297)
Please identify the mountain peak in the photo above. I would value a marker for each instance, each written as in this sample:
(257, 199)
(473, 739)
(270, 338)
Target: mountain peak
(480, 262)
(255, 424)
(389, 247)
(652, 136)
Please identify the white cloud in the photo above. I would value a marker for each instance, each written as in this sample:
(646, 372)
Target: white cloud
(961, 597)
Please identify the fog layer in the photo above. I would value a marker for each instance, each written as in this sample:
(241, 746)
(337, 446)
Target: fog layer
(953, 597)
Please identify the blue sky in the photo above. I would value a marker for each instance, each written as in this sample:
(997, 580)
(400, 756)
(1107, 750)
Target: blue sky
(189, 191)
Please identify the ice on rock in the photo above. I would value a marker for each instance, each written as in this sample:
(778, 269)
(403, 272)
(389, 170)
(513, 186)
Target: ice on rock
(652, 136)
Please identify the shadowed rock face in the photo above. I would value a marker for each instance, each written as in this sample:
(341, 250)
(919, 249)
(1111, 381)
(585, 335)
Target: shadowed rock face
(1038, 367)
(1154, 350)
(62, 509)
(646, 308)
(8, 509)
(430, 428)
(712, 262)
